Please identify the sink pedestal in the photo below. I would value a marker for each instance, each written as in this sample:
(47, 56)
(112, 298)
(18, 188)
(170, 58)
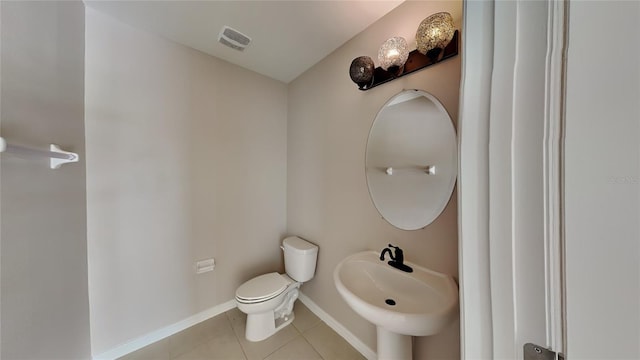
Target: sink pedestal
(393, 346)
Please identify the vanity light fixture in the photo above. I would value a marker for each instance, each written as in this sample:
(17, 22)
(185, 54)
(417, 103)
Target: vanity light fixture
(436, 40)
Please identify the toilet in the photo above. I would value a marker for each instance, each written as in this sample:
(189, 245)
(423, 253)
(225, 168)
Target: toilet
(268, 299)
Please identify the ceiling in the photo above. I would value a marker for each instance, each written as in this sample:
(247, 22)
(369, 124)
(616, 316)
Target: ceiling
(288, 37)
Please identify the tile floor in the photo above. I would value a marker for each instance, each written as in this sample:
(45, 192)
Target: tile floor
(222, 338)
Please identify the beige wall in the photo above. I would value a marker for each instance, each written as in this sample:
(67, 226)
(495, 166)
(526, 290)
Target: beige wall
(328, 202)
(44, 302)
(186, 159)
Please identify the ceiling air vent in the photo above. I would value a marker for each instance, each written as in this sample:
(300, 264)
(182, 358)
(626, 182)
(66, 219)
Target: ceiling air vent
(233, 38)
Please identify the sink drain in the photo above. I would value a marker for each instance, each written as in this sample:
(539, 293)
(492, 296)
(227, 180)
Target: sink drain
(390, 302)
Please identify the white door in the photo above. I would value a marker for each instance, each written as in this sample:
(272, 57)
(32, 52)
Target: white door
(521, 128)
(551, 255)
(505, 231)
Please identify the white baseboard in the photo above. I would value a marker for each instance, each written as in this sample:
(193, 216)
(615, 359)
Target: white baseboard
(160, 334)
(339, 328)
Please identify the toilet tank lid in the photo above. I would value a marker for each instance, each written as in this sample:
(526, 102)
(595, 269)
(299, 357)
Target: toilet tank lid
(294, 243)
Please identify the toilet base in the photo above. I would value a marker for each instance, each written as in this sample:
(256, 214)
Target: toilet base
(268, 317)
(260, 326)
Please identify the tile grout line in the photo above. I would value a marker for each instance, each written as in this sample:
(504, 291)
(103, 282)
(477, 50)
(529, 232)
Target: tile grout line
(197, 344)
(286, 342)
(310, 344)
(339, 328)
(233, 330)
(304, 333)
(311, 328)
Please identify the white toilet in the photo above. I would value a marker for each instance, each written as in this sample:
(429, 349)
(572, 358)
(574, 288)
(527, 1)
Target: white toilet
(268, 299)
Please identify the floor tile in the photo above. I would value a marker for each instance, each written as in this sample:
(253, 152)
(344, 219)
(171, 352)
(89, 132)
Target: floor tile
(261, 349)
(221, 347)
(188, 339)
(297, 349)
(156, 351)
(330, 345)
(304, 318)
(221, 342)
(222, 338)
(237, 319)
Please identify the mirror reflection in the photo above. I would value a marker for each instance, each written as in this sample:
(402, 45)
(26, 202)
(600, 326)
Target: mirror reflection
(411, 160)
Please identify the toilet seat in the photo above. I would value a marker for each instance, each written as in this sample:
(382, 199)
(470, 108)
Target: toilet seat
(262, 288)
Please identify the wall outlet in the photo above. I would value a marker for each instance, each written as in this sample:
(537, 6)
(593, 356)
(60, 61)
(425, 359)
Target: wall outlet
(206, 265)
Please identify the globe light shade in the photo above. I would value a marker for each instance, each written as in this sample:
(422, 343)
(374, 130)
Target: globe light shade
(361, 71)
(434, 34)
(393, 52)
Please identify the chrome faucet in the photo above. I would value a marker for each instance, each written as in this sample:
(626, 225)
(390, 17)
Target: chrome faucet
(397, 260)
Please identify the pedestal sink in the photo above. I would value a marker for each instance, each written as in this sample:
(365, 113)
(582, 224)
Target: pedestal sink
(399, 303)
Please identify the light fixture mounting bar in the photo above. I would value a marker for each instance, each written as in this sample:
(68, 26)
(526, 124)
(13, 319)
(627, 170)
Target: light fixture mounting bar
(416, 61)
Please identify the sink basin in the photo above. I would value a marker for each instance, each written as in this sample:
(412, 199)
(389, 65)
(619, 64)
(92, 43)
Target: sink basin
(419, 303)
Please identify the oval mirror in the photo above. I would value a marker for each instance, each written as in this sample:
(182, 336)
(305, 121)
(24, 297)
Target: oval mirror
(411, 160)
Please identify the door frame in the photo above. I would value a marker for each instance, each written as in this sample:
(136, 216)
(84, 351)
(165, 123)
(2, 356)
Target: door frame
(487, 255)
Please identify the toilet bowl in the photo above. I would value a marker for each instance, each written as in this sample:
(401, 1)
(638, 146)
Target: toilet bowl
(268, 299)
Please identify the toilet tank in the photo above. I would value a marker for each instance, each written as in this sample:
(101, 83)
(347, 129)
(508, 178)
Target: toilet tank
(299, 258)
